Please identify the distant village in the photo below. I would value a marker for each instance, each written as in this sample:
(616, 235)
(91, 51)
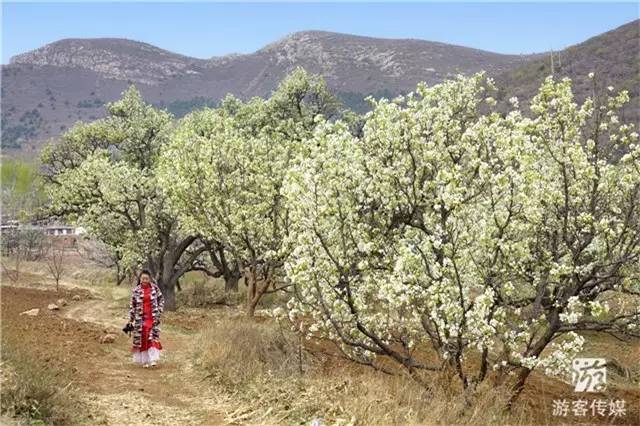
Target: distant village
(55, 229)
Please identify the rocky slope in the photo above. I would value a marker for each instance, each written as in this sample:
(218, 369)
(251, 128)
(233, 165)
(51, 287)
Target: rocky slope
(118, 59)
(47, 90)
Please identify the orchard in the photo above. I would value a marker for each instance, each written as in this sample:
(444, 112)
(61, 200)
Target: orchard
(443, 234)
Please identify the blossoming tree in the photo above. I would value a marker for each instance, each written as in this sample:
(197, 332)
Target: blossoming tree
(103, 175)
(447, 237)
(224, 168)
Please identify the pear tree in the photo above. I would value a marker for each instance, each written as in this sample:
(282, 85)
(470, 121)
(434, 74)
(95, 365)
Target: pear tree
(224, 169)
(103, 175)
(451, 236)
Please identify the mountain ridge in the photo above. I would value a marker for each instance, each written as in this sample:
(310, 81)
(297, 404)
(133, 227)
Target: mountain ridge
(141, 62)
(22, 57)
(46, 90)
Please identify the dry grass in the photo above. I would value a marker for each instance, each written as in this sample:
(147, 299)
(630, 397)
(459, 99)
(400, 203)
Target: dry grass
(345, 396)
(258, 369)
(235, 352)
(624, 356)
(261, 369)
(34, 394)
(204, 292)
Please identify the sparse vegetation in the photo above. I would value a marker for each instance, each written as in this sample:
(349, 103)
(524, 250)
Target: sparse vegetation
(264, 368)
(91, 103)
(56, 261)
(28, 128)
(199, 291)
(19, 246)
(180, 108)
(613, 56)
(356, 102)
(253, 372)
(35, 393)
(254, 349)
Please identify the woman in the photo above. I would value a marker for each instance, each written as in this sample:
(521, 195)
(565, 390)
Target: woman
(145, 308)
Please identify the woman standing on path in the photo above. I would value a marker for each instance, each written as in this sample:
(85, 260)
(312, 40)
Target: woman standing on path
(147, 304)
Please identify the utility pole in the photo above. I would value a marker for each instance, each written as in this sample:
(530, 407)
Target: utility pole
(560, 60)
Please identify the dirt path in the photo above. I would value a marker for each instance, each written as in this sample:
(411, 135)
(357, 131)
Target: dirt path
(92, 311)
(173, 393)
(169, 392)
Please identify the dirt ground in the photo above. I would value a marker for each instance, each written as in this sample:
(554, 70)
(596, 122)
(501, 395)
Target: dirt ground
(119, 392)
(175, 392)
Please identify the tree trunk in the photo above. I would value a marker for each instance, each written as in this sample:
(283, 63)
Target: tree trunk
(251, 308)
(251, 295)
(255, 291)
(232, 277)
(253, 302)
(537, 349)
(121, 273)
(231, 282)
(517, 388)
(168, 280)
(168, 289)
(218, 259)
(168, 268)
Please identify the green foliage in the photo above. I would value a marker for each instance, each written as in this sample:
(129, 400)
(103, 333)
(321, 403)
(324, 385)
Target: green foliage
(180, 108)
(28, 128)
(91, 103)
(240, 154)
(22, 188)
(223, 170)
(356, 101)
(102, 175)
(18, 175)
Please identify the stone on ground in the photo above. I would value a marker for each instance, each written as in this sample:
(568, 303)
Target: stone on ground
(108, 338)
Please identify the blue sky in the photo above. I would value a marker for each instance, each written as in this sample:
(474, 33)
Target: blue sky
(203, 30)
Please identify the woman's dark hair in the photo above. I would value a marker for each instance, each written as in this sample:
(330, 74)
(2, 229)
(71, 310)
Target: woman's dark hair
(145, 272)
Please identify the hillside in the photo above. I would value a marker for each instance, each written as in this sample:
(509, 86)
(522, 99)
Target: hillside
(613, 56)
(119, 59)
(46, 91)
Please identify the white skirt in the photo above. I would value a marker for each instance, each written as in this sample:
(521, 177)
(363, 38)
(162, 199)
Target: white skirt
(146, 357)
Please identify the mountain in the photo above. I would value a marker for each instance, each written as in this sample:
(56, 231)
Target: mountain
(118, 59)
(365, 64)
(47, 90)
